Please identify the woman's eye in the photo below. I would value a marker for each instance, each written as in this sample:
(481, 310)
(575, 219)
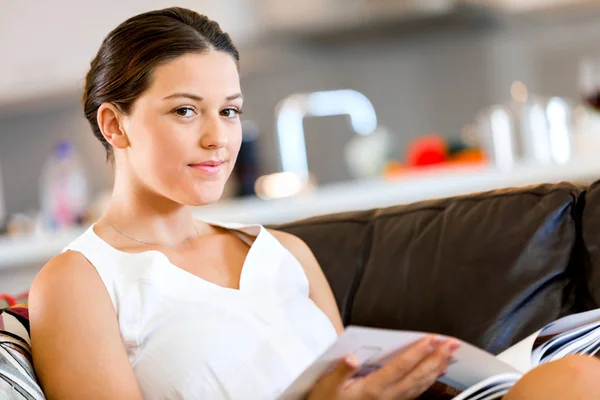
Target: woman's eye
(185, 112)
(231, 112)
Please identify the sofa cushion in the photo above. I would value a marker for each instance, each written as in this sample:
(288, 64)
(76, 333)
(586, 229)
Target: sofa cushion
(590, 228)
(17, 377)
(488, 268)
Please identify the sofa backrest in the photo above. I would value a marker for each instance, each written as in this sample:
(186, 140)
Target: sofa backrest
(489, 268)
(590, 228)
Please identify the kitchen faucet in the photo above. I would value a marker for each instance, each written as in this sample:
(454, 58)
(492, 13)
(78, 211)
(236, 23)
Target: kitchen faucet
(292, 110)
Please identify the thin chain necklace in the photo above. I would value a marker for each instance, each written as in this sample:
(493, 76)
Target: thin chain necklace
(151, 243)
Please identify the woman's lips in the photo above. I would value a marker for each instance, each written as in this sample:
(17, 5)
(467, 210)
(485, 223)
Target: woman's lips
(209, 167)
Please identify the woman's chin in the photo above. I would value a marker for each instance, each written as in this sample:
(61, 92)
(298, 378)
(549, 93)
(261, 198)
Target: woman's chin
(205, 198)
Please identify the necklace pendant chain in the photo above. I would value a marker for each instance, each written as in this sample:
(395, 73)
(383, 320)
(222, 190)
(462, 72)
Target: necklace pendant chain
(151, 243)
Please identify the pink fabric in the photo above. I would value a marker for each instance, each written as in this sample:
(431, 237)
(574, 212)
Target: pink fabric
(20, 311)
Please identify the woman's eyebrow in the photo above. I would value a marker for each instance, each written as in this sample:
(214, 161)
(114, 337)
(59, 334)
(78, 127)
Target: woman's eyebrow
(185, 95)
(235, 96)
(200, 98)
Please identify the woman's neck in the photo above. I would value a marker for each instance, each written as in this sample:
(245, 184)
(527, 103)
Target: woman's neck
(149, 217)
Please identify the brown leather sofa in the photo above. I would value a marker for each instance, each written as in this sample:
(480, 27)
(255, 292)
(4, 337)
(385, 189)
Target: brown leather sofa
(488, 268)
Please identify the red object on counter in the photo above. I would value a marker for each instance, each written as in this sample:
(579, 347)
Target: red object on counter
(433, 154)
(9, 299)
(427, 150)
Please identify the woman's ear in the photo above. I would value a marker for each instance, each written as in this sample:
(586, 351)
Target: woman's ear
(109, 122)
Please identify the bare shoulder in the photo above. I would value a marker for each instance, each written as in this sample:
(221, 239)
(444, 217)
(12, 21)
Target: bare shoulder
(298, 248)
(67, 278)
(320, 291)
(75, 339)
(69, 261)
(67, 271)
(292, 242)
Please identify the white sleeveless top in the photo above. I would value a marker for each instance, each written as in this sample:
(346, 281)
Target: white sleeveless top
(188, 338)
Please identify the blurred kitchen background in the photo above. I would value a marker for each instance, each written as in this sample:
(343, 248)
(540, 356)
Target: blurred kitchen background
(349, 104)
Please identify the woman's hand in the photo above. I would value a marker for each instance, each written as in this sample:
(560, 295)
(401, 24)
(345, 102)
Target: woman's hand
(407, 376)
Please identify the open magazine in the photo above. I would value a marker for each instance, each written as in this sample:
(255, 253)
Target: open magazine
(473, 374)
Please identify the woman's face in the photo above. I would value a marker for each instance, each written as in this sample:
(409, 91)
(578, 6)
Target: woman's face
(184, 132)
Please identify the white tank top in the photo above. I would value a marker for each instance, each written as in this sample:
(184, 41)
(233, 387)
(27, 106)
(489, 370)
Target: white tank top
(188, 338)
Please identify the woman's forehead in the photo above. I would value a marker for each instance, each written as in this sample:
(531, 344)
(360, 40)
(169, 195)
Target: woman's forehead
(204, 74)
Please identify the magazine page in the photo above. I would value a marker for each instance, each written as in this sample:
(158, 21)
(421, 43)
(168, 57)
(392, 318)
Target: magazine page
(571, 322)
(549, 348)
(374, 347)
(577, 333)
(491, 388)
(519, 355)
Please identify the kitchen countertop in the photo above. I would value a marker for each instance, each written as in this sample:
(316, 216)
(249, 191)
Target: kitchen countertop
(375, 193)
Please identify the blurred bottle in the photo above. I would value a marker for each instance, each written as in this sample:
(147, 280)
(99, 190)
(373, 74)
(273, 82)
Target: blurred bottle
(587, 114)
(63, 191)
(533, 131)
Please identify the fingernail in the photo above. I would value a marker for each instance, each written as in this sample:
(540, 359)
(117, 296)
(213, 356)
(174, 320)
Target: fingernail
(351, 361)
(434, 342)
(454, 346)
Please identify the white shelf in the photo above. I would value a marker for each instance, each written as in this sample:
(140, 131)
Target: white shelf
(29, 250)
(350, 196)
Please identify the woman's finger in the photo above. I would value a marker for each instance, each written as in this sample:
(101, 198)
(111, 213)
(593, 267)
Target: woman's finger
(417, 381)
(405, 362)
(335, 380)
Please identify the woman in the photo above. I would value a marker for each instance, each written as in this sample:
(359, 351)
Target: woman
(151, 303)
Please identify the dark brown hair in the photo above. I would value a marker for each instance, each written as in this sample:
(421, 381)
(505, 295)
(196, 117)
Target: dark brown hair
(122, 69)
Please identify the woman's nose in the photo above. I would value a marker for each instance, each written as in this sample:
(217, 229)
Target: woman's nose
(214, 136)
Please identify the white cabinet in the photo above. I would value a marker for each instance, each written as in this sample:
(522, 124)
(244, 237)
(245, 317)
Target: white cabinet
(46, 47)
(313, 16)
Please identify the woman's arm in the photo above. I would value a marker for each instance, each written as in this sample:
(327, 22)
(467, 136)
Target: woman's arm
(320, 291)
(76, 343)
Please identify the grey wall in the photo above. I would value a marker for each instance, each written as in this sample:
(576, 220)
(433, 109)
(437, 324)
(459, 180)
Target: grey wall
(432, 84)
(27, 138)
(419, 84)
